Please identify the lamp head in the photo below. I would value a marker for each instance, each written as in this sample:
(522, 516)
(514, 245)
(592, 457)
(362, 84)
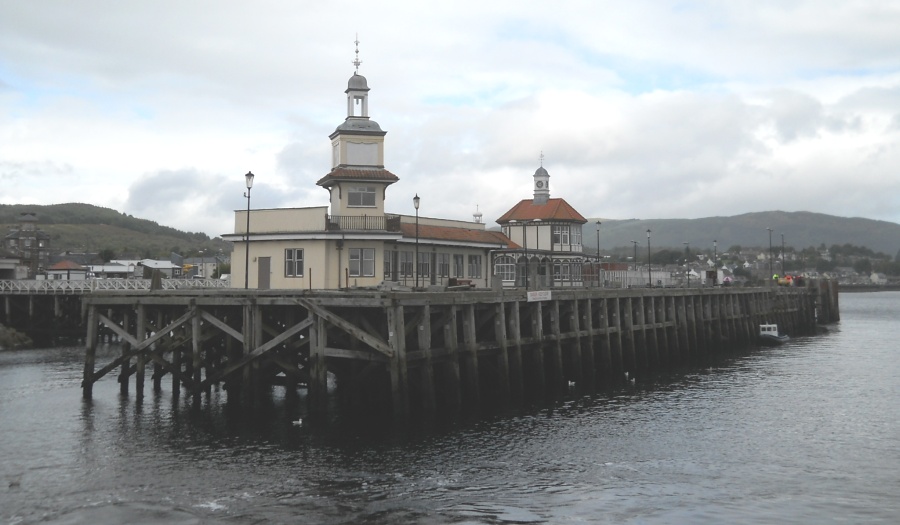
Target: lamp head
(249, 176)
(416, 201)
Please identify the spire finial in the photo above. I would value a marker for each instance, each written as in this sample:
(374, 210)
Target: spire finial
(542, 158)
(356, 61)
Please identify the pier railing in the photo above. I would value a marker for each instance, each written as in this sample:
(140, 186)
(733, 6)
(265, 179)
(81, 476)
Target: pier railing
(73, 287)
(389, 223)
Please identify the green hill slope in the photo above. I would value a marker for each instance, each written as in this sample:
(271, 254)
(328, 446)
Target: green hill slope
(800, 229)
(77, 227)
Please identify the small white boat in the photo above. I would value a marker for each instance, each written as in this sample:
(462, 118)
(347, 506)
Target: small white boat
(768, 335)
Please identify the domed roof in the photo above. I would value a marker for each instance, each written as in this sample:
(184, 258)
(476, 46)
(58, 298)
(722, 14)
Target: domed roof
(359, 125)
(357, 83)
(541, 171)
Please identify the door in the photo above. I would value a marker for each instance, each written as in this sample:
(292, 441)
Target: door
(265, 273)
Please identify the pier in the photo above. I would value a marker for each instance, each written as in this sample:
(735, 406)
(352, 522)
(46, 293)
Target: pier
(422, 351)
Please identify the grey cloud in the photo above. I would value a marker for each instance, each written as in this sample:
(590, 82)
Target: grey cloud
(795, 115)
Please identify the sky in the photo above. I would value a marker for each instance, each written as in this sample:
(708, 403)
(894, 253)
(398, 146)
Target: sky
(640, 109)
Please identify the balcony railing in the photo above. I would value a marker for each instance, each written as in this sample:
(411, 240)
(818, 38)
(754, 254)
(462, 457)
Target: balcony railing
(390, 223)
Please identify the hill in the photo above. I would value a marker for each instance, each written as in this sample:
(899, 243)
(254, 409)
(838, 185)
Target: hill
(800, 229)
(77, 227)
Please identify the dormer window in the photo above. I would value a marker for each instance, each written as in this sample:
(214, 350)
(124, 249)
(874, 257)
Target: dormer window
(361, 196)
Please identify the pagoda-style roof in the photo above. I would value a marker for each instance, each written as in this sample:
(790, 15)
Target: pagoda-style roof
(367, 174)
(553, 210)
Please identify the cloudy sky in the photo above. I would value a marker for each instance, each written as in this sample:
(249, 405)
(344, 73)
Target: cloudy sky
(642, 109)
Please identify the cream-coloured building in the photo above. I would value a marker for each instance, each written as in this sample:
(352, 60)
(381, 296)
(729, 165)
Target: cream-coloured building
(353, 242)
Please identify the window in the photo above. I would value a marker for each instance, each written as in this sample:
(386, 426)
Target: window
(561, 270)
(505, 268)
(443, 265)
(361, 196)
(576, 237)
(560, 234)
(459, 265)
(293, 262)
(475, 266)
(424, 264)
(389, 265)
(362, 262)
(406, 264)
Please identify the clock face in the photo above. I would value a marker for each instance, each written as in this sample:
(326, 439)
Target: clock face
(540, 184)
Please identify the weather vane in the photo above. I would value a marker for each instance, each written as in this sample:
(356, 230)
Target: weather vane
(356, 61)
(542, 158)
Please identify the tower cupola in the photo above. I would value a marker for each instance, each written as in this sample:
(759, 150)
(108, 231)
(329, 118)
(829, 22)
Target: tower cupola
(541, 184)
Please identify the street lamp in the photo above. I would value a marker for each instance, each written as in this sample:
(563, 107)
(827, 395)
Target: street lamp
(687, 261)
(525, 245)
(635, 254)
(649, 266)
(770, 252)
(249, 178)
(598, 252)
(416, 206)
(716, 262)
(782, 255)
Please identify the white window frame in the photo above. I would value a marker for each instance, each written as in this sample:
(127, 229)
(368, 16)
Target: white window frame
(475, 266)
(291, 261)
(362, 262)
(505, 268)
(406, 264)
(561, 234)
(361, 196)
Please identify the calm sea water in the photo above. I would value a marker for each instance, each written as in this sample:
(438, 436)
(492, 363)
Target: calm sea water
(805, 433)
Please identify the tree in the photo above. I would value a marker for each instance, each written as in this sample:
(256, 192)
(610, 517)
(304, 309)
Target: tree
(863, 266)
(107, 254)
(665, 256)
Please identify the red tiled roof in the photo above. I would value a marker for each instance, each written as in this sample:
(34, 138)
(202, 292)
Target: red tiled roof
(554, 209)
(361, 174)
(66, 265)
(445, 233)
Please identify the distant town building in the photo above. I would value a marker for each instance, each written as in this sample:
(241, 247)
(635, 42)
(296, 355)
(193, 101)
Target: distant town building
(29, 246)
(67, 271)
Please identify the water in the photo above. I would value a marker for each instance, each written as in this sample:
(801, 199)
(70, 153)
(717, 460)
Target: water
(805, 433)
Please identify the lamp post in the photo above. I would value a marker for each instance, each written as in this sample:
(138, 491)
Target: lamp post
(598, 252)
(633, 242)
(782, 255)
(716, 262)
(249, 179)
(687, 253)
(770, 252)
(525, 245)
(416, 266)
(649, 266)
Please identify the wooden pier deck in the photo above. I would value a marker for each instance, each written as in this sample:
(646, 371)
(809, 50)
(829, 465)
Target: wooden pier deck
(418, 352)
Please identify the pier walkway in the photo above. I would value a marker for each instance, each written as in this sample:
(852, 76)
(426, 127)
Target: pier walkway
(424, 351)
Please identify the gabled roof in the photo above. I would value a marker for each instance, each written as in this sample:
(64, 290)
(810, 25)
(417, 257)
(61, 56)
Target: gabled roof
(67, 265)
(343, 173)
(445, 233)
(554, 209)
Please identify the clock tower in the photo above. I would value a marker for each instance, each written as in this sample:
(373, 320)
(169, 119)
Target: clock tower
(541, 184)
(357, 181)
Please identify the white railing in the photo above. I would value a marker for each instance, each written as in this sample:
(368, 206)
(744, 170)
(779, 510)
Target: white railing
(66, 287)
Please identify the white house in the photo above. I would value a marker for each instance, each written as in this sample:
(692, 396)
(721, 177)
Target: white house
(353, 241)
(67, 271)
